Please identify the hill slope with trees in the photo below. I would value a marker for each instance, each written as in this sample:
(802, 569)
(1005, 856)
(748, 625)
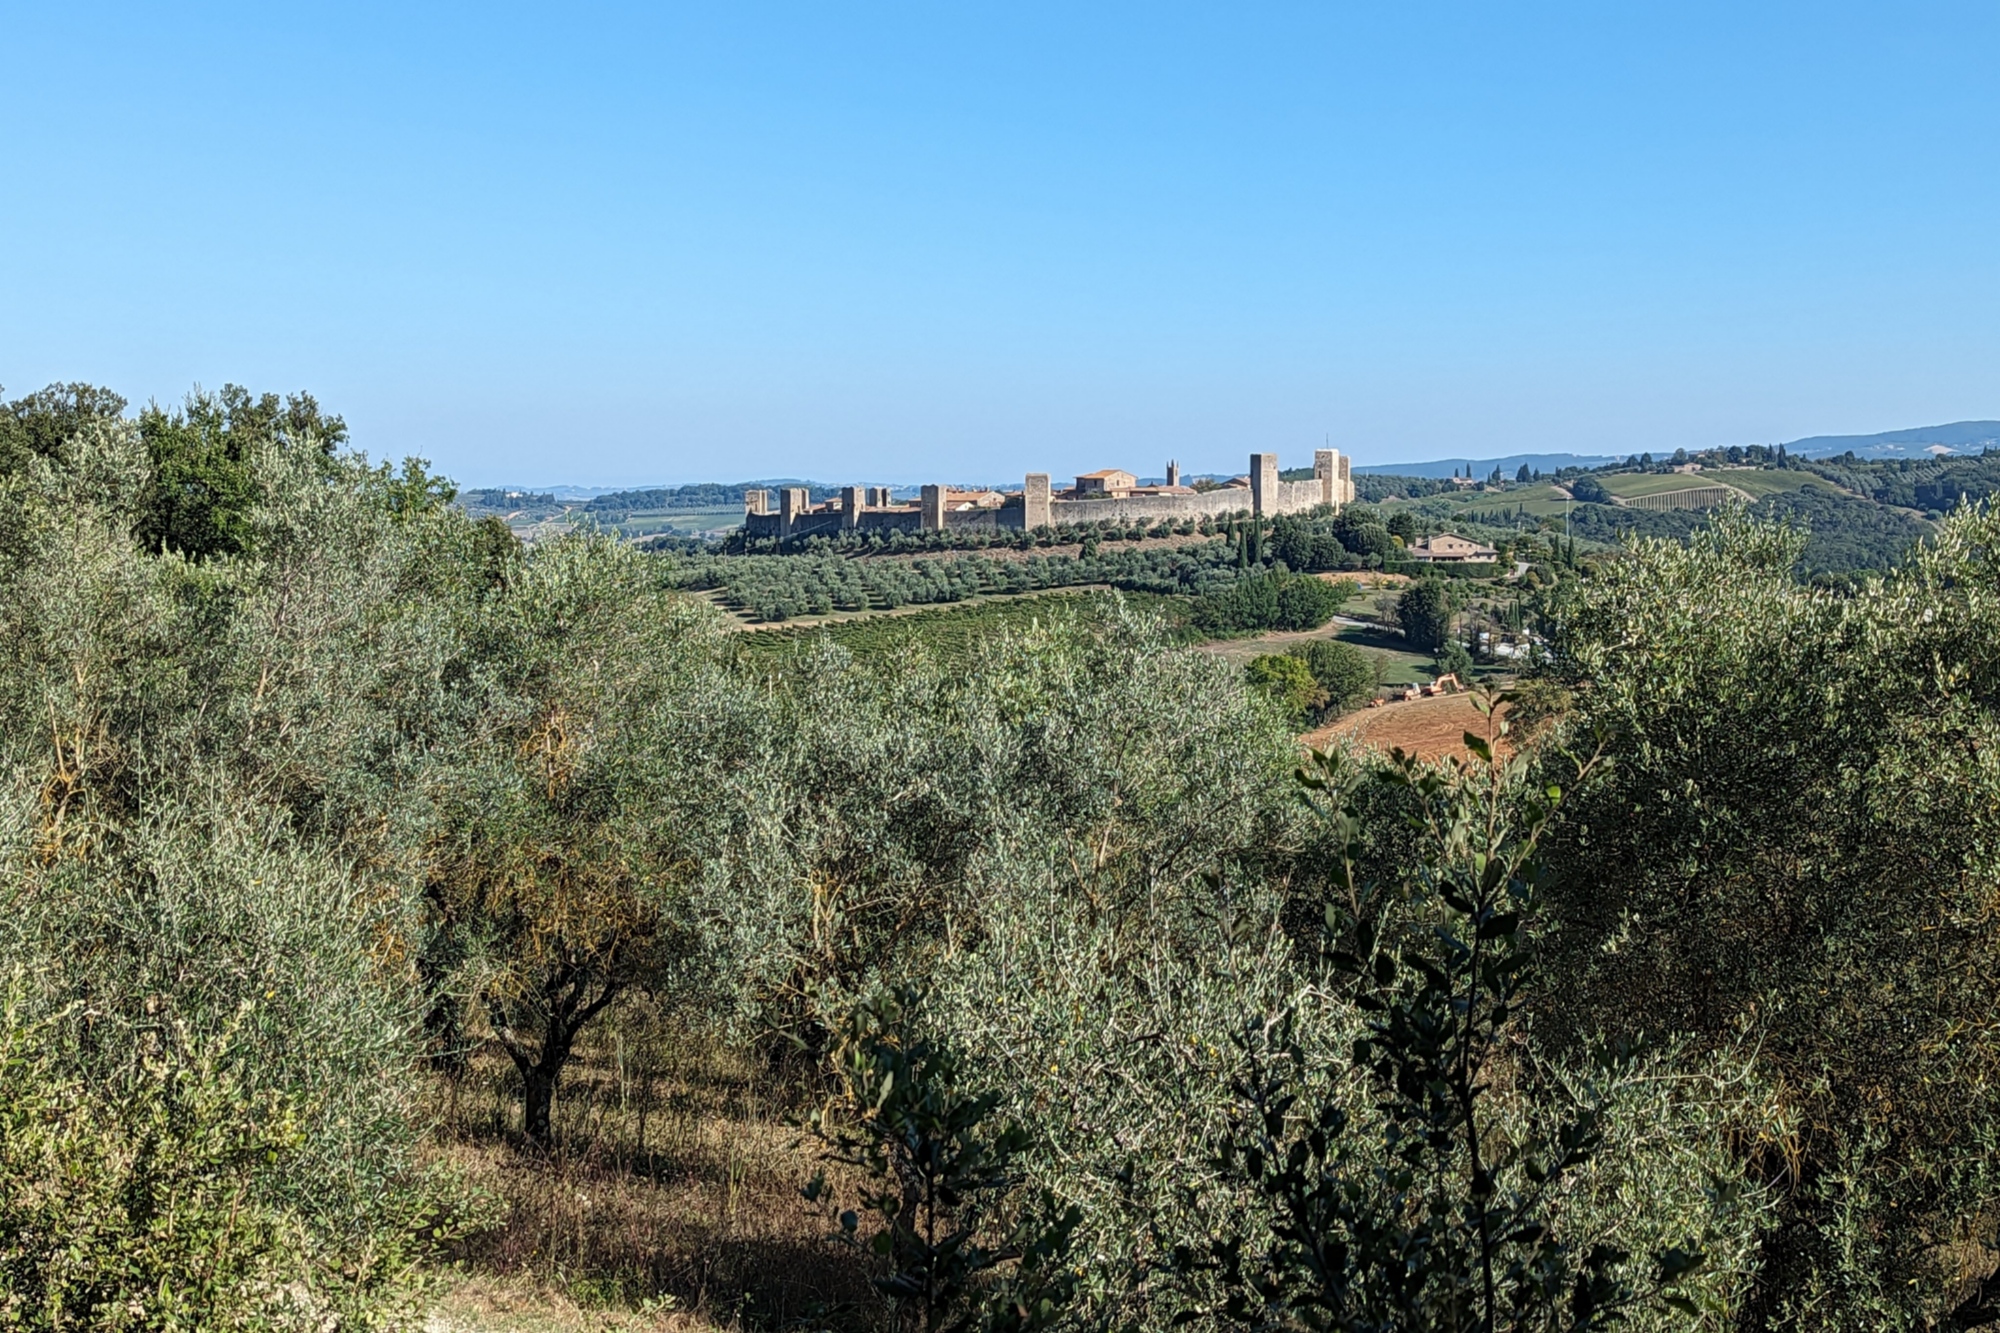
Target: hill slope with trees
(363, 866)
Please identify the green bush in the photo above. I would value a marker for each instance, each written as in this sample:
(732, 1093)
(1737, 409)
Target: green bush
(1428, 1213)
(195, 847)
(143, 1199)
(1288, 682)
(1344, 672)
(1793, 850)
(961, 1244)
(1270, 601)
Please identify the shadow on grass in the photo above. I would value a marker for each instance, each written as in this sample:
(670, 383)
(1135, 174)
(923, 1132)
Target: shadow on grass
(1378, 640)
(680, 1190)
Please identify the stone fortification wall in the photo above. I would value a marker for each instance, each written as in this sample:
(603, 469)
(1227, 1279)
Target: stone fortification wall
(983, 520)
(832, 524)
(1227, 500)
(792, 516)
(1296, 496)
(794, 525)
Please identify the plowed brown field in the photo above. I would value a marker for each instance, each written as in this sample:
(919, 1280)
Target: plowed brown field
(1428, 728)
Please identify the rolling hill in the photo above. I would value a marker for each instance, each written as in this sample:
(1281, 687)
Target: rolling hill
(1449, 467)
(1959, 437)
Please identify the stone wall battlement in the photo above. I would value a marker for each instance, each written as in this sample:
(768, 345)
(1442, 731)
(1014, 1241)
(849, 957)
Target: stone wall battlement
(789, 514)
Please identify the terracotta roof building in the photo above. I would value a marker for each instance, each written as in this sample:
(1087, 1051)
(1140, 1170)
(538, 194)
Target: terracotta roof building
(1450, 549)
(1107, 481)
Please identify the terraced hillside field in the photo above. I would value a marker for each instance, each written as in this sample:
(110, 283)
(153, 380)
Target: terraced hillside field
(1761, 482)
(1537, 499)
(1642, 485)
(1755, 483)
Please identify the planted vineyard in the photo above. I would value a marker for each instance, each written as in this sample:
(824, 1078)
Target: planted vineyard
(777, 588)
(1687, 497)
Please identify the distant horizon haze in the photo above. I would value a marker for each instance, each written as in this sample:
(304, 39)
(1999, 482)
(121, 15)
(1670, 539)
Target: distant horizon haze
(1959, 437)
(624, 244)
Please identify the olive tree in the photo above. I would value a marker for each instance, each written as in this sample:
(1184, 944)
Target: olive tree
(580, 845)
(165, 897)
(1794, 847)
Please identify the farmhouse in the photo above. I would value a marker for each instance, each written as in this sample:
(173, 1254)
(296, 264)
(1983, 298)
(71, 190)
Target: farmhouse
(1108, 495)
(1108, 482)
(1450, 549)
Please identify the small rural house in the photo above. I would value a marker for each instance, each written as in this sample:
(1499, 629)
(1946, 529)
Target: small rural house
(1450, 549)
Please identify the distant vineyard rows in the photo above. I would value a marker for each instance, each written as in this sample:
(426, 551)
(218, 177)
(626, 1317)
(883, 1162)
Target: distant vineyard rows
(1694, 497)
(777, 588)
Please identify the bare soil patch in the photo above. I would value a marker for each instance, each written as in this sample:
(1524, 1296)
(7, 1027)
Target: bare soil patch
(1427, 728)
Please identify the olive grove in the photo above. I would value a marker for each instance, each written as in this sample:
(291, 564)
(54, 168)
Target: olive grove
(1103, 1006)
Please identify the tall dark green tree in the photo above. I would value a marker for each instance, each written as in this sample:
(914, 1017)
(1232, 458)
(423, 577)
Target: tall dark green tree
(203, 492)
(37, 425)
(1426, 612)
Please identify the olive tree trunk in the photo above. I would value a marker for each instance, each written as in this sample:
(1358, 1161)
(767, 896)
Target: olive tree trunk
(539, 1038)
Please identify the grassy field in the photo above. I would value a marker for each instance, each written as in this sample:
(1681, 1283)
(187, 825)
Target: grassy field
(1399, 665)
(1538, 499)
(949, 632)
(685, 522)
(1761, 482)
(671, 1200)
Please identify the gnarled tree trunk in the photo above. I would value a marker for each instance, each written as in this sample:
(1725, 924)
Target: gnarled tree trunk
(567, 1003)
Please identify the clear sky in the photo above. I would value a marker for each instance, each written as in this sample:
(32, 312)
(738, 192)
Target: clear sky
(627, 243)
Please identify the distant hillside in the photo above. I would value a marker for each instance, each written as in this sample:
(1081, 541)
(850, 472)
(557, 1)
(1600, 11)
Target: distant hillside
(1962, 437)
(1959, 437)
(585, 494)
(1447, 467)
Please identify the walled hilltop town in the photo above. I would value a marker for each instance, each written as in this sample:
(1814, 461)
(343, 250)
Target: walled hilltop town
(1097, 496)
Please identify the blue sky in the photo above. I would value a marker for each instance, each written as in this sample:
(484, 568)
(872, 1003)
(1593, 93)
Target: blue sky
(619, 244)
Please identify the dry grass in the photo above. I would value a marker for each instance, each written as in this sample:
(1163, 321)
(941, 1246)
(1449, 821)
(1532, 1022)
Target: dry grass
(670, 1201)
(484, 1303)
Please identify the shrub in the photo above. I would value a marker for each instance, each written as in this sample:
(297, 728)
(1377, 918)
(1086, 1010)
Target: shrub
(1288, 682)
(143, 1198)
(1270, 601)
(1346, 673)
(963, 1247)
(1800, 810)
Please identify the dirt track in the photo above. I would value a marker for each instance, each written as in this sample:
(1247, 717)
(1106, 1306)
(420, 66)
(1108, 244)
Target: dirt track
(1428, 728)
